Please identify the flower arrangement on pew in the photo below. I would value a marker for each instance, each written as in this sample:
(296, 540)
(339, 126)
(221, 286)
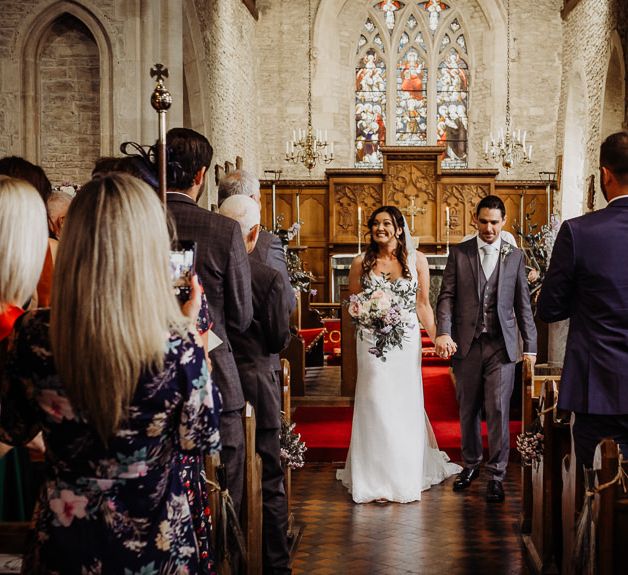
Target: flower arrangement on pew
(292, 448)
(380, 309)
(537, 246)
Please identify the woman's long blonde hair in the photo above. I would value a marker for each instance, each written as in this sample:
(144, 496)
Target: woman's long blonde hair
(112, 303)
(23, 240)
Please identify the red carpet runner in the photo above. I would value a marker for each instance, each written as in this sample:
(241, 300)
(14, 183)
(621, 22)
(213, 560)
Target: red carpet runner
(327, 430)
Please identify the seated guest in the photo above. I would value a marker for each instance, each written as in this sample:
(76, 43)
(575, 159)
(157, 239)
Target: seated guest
(23, 236)
(117, 382)
(22, 169)
(268, 334)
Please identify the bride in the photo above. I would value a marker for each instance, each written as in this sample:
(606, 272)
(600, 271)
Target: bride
(393, 454)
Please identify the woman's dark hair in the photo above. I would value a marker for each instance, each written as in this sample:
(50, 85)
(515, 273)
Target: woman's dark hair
(22, 169)
(135, 165)
(401, 253)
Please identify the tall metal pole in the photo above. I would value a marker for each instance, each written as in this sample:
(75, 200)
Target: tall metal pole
(161, 100)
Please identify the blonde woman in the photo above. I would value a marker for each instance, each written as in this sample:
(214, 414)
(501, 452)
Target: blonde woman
(23, 241)
(127, 392)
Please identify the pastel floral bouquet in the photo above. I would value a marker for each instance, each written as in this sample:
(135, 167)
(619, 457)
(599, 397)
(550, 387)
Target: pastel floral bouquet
(381, 309)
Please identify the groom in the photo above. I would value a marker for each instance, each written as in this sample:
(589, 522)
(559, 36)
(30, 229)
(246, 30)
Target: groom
(483, 297)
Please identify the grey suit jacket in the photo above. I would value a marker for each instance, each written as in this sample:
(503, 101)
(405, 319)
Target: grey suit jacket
(459, 302)
(223, 266)
(267, 335)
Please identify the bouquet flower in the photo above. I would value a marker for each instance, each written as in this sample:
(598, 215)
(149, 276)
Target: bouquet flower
(379, 309)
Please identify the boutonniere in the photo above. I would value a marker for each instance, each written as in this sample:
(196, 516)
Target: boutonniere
(505, 250)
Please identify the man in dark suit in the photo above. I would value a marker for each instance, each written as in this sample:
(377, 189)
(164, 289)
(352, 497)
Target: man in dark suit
(268, 248)
(268, 334)
(587, 282)
(223, 266)
(483, 297)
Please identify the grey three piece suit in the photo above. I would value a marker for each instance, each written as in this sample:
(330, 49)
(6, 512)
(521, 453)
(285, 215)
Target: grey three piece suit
(481, 315)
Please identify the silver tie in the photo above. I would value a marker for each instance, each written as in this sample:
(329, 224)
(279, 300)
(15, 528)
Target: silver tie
(489, 259)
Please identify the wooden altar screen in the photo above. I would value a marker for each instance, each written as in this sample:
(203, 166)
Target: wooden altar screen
(412, 180)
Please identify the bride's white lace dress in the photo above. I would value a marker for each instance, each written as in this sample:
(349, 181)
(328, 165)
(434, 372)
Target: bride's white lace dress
(393, 453)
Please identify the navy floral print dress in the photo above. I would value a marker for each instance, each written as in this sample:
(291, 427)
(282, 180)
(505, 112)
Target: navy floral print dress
(123, 508)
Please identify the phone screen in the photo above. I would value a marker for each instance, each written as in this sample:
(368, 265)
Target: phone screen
(182, 263)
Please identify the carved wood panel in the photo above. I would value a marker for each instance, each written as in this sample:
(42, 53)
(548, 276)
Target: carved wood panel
(346, 197)
(461, 199)
(412, 188)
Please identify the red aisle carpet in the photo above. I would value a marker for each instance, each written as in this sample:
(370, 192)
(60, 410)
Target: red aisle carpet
(327, 430)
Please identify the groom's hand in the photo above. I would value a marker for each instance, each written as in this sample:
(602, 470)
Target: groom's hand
(445, 346)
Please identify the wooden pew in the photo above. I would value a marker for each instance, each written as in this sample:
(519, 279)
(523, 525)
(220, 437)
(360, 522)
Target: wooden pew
(251, 512)
(286, 408)
(349, 359)
(294, 354)
(611, 519)
(543, 543)
(530, 394)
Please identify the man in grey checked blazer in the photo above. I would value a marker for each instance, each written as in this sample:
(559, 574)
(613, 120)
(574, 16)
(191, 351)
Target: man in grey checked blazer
(223, 267)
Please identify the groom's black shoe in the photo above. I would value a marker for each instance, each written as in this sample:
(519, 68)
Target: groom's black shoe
(494, 491)
(465, 477)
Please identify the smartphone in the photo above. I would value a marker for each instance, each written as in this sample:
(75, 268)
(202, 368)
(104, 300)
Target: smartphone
(182, 265)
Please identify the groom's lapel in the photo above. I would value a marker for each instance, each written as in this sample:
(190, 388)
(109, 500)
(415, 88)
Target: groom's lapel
(504, 268)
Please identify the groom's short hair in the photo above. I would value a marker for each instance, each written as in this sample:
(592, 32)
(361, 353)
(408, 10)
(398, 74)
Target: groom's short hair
(491, 203)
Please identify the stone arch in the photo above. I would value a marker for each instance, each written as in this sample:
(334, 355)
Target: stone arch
(612, 117)
(33, 34)
(572, 186)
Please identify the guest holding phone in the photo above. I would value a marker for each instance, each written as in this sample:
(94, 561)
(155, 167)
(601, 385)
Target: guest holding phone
(116, 379)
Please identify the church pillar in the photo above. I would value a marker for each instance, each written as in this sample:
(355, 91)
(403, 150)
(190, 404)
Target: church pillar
(161, 41)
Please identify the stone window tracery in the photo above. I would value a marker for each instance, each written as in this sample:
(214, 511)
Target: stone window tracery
(422, 47)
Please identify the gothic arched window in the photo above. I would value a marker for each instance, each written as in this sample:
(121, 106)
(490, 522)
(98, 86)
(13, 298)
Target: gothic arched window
(423, 43)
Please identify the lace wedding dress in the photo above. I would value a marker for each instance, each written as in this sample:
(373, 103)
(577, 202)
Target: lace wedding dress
(393, 454)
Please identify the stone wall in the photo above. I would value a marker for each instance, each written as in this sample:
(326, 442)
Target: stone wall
(282, 60)
(587, 42)
(70, 101)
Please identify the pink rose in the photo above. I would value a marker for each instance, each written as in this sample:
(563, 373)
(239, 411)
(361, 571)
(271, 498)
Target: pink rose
(68, 506)
(355, 308)
(137, 469)
(55, 405)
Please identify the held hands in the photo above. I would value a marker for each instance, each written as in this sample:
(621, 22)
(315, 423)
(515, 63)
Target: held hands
(445, 346)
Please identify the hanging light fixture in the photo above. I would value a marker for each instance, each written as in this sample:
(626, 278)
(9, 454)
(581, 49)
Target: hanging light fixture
(510, 146)
(308, 147)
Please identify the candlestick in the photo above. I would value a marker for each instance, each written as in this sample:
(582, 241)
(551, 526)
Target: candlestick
(359, 229)
(274, 209)
(447, 216)
(298, 218)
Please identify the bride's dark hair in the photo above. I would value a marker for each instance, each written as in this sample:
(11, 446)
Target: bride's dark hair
(401, 253)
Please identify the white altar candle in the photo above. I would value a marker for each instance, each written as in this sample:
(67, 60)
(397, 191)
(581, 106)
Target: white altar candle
(447, 216)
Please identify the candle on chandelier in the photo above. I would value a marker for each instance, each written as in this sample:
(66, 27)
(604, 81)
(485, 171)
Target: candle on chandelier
(287, 148)
(530, 152)
(332, 147)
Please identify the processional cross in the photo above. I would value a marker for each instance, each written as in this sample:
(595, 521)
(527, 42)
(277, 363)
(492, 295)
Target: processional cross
(413, 210)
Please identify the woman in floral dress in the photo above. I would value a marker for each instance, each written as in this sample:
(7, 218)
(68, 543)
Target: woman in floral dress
(117, 381)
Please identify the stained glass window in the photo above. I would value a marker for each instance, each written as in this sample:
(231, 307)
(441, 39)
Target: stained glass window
(421, 46)
(452, 89)
(411, 113)
(370, 109)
